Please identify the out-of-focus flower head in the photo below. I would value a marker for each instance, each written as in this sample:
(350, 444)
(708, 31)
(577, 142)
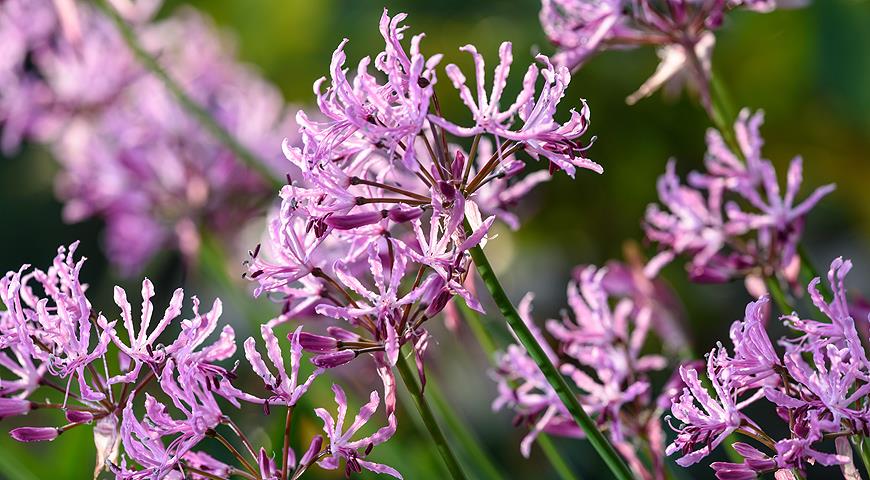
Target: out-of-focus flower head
(681, 30)
(600, 350)
(129, 153)
(732, 220)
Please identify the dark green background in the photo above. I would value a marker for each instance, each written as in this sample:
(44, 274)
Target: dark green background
(809, 69)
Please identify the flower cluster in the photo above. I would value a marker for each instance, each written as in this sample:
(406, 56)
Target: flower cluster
(819, 386)
(129, 152)
(376, 229)
(732, 219)
(680, 29)
(52, 339)
(600, 349)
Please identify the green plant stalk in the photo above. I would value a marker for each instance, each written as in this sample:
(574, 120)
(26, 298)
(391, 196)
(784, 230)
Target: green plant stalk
(484, 338)
(599, 442)
(470, 443)
(201, 115)
(778, 295)
(413, 388)
(552, 453)
(863, 447)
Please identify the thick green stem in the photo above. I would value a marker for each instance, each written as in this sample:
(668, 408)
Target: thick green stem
(605, 450)
(484, 338)
(552, 453)
(863, 447)
(201, 115)
(406, 372)
(470, 443)
(778, 295)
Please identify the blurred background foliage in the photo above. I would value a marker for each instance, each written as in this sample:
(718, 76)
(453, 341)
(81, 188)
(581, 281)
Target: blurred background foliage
(809, 69)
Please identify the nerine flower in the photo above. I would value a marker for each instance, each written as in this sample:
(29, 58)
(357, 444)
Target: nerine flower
(819, 387)
(284, 389)
(600, 350)
(376, 228)
(681, 30)
(341, 445)
(129, 153)
(707, 420)
(733, 219)
(57, 330)
(49, 337)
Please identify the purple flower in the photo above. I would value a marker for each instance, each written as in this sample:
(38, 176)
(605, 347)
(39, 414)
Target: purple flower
(705, 420)
(390, 114)
(754, 360)
(732, 220)
(341, 445)
(143, 348)
(284, 389)
(56, 330)
(691, 224)
(128, 152)
(600, 350)
(13, 407)
(540, 133)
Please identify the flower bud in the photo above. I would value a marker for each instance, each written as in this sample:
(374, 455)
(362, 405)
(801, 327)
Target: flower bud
(313, 450)
(267, 466)
(402, 215)
(342, 335)
(330, 360)
(316, 343)
(438, 303)
(354, 220)
(78, 416)
(35, 434)
(12, 407)
(456, 169)
(512, 168)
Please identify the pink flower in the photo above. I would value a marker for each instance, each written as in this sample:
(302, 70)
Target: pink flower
(732, 219)
(703, 429)
(284, 389)
(341, 445)
(143, 348)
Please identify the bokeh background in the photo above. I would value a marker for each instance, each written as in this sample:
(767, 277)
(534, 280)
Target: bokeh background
(809, 69)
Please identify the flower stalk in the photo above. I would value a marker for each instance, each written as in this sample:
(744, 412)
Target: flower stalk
(604, 448)
(422, 404)
(470, 443)
(488, 344)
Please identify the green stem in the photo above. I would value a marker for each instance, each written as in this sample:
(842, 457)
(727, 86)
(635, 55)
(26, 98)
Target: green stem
(204, 118)
(552, 453)
(778, 295)
(484, 338)
(406, 372)
(470, 443)
(721, 114)
(605, 450)
(863, 448)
